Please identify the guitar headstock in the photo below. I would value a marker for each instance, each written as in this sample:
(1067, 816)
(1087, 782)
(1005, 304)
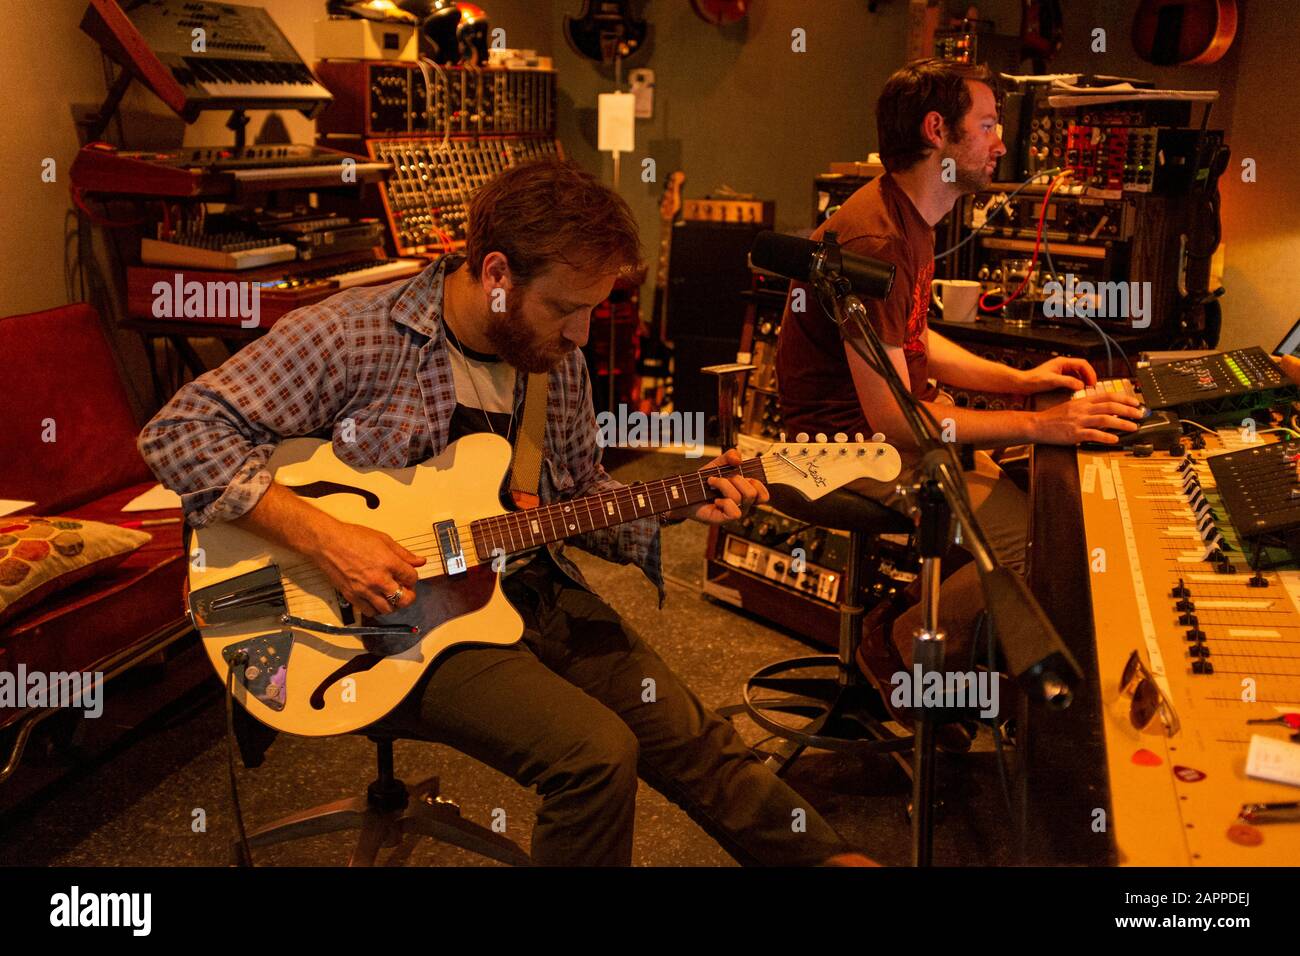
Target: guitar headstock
(816, 468)
(671, 204)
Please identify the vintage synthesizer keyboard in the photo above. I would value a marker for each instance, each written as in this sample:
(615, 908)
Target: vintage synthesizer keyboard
(1171, 577)
(166, 293)
(197, 55)
(218, 172)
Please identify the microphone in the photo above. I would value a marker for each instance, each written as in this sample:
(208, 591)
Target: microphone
(807, 261)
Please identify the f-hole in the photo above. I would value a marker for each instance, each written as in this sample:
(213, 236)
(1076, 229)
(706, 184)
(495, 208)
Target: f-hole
(321, 489)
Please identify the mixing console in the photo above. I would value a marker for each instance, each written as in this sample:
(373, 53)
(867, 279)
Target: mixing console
(1171, 578)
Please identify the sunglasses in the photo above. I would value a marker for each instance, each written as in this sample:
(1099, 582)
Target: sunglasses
(1148, 699)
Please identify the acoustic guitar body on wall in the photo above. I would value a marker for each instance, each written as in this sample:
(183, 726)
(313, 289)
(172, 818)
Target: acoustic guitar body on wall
(1184, 32)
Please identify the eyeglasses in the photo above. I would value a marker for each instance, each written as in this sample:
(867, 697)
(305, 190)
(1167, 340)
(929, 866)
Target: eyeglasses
(1148, 698)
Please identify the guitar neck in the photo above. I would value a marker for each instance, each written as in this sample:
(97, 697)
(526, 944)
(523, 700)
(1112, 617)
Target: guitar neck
(521, 530)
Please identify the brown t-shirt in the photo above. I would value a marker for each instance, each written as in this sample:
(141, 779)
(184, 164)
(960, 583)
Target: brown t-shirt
(813, 377)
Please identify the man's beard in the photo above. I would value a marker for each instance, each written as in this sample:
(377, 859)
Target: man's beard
(970, 179)
(515, 343)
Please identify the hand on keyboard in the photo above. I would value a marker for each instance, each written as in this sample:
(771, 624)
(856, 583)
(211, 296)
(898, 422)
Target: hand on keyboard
(1060, 372)
(1097, 417)
(1108, 386)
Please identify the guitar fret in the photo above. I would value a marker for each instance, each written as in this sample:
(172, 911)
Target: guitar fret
(667, 502)
(523, 530)
(676, 493)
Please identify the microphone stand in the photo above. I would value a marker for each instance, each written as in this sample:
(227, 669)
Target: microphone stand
(940, 495)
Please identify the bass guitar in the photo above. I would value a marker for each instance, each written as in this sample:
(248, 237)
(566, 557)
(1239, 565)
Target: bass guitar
(305, 663)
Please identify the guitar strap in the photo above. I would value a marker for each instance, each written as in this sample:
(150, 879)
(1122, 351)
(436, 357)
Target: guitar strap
(529, 443)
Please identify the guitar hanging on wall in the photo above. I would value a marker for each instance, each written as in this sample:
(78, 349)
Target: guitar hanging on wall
(302, 661)
(605, 31)
(1184, 32)
(655, 353)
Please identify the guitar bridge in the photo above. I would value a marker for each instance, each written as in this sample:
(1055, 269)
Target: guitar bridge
(453, 557)
(248, 597)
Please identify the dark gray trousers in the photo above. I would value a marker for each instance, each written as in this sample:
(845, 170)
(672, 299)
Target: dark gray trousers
(570, 711)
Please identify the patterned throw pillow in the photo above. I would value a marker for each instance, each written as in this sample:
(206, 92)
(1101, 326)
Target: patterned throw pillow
(39, 556)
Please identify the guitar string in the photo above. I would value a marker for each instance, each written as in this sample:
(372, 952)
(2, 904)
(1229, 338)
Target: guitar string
(623, 495)
(314, 575)
(497, 528)
(501, 532)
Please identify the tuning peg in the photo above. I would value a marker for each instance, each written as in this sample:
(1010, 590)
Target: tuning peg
(821, 438)
(802, 436)
(857, 437)
(878, 436)
(781, 436)
(841, 437)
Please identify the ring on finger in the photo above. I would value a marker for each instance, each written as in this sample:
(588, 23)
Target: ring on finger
(396, 596)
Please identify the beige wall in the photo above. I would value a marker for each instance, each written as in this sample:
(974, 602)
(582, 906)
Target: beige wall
(733, 106)
(1261, 220)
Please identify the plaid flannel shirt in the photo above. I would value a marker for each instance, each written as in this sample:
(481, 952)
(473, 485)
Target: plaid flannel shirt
(375, 357)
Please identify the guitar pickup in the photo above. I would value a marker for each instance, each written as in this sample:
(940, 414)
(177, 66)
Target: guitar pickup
(250, 596)
(453, 556)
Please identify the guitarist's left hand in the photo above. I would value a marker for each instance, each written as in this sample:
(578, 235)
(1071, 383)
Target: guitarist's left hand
(737, 495)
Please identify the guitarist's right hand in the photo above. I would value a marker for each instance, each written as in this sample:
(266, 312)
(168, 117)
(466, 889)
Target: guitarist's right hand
(366, 567)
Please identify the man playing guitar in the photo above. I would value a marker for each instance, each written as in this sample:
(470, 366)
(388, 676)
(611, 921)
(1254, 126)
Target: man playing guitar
(394, 374)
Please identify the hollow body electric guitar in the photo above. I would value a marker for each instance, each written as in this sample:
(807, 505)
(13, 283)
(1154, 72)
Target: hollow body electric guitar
(303, 662)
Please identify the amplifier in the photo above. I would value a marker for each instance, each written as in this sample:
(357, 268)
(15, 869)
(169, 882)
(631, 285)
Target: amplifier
(777, 564)
(392, 99)
(708, 271)
(793, 574)
(762, 211)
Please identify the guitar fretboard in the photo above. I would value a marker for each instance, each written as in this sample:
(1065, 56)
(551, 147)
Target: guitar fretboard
(521, 530)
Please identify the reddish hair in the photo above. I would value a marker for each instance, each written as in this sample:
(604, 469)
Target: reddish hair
(540, 213)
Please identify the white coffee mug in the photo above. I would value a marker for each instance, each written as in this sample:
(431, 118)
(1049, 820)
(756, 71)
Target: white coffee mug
(960, 295)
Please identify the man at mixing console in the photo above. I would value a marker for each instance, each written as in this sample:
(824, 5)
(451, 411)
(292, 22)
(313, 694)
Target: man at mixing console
(937, 127)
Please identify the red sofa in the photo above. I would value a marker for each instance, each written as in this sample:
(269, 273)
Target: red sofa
(66, 371)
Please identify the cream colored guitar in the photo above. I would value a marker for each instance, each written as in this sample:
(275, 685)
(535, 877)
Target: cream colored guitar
(305, 665)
